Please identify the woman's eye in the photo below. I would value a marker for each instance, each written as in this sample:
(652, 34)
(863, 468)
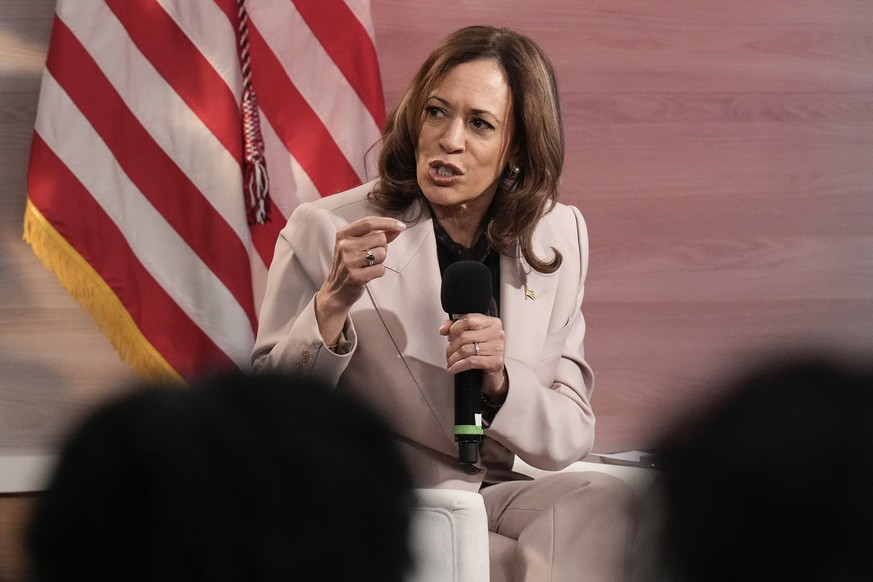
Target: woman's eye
(481, 124)
(434, 111)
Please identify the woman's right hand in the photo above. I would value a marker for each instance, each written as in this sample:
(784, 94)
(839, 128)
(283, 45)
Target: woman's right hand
(351, 270)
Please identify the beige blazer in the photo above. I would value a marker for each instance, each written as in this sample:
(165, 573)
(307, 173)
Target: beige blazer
(397, 360)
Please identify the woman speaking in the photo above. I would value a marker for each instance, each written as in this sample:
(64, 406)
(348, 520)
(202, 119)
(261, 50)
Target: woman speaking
(469, 168)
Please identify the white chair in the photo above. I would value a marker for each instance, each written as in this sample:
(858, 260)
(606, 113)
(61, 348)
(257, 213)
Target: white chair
(450, 538)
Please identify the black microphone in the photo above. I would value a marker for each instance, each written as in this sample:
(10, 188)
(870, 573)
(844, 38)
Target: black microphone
(466, 288)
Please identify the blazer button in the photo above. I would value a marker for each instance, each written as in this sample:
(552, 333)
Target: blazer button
(471, 469)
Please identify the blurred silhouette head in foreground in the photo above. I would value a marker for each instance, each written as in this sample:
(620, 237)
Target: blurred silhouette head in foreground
(774, 482)
(260, 477)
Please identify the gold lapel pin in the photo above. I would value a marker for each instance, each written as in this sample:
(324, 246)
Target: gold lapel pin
(529, 294)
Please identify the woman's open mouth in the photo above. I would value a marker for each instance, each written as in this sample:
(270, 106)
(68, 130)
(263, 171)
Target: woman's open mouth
(443, 174)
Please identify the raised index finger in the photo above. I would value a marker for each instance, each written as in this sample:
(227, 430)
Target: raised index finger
(390, 226)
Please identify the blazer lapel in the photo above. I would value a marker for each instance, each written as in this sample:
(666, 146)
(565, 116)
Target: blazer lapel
(407, 299)
(526, 301)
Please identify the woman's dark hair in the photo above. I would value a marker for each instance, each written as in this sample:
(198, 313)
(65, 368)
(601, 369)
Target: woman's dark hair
(537, 136)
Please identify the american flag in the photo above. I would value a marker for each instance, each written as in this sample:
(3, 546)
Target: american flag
(135, 185)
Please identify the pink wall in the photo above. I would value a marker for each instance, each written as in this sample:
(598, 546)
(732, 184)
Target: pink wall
(722, 154)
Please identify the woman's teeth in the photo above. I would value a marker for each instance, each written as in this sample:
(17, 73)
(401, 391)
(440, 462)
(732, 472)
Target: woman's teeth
(445, 171)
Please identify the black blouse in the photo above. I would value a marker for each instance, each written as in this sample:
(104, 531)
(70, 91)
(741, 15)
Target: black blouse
(448, 252)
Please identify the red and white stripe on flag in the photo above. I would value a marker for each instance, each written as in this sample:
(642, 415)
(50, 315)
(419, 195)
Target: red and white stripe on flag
(135, 195)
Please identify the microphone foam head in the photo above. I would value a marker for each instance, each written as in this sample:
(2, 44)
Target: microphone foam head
(466, 288)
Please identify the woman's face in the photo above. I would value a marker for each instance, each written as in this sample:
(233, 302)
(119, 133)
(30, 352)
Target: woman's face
(465, 137)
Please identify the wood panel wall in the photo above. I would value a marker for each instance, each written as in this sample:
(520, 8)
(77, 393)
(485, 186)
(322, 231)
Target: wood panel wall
(722, 154)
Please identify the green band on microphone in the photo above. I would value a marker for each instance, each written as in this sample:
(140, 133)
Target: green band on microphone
(468, 429)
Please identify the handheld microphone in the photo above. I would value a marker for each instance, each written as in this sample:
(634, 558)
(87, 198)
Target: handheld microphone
(466, 288)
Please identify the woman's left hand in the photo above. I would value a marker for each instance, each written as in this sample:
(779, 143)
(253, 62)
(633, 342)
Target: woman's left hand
(476, 342)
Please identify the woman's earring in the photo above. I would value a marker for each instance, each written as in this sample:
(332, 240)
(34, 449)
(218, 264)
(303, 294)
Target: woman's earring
(514, 172)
